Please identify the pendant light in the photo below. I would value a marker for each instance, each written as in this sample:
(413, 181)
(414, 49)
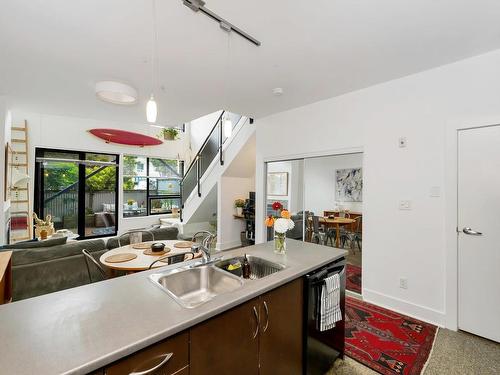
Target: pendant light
(151, 106)
(227, 124)
(151, 110)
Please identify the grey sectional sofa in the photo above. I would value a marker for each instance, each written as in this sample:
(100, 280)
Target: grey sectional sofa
(41, 270)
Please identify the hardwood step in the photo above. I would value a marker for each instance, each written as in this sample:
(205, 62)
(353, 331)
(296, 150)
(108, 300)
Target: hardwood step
(19, 164)
(17, 140)
(20, 201)
(18, 129)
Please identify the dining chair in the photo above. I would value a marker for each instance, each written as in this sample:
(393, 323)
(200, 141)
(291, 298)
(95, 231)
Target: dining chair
(90, 259)
(146, 235)
(354, 235)
(318, 233)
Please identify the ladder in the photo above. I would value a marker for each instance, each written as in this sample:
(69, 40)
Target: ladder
(20, 210)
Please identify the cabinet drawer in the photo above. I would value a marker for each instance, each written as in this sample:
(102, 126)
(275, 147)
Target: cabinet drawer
(152, 356)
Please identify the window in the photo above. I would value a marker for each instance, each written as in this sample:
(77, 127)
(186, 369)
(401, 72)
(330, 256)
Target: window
(151, 186)
(79, 190)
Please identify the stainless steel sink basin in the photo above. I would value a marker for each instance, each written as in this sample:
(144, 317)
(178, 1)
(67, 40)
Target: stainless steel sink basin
(259, 267)
(194, 286)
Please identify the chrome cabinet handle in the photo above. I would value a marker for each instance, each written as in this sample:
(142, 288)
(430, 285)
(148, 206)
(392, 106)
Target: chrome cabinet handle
(267, 317)
(257, 319)
(162, 363)
(471, 232)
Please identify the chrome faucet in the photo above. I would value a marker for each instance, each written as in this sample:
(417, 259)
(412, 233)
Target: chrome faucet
(196, 248)
(204, 247)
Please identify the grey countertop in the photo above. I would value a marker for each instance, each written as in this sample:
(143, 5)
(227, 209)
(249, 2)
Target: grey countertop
(79, 330)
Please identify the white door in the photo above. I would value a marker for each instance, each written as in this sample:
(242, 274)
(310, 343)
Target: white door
(479, 231)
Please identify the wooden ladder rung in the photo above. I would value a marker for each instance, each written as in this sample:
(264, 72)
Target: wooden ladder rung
(19, 213)
(20, 189)
(20, 238)
(19, 164)
(17, 140)
(20, 201)
(18, 129)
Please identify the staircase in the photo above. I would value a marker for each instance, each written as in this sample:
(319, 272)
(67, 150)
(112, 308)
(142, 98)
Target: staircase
(21, 228)
(202, 185)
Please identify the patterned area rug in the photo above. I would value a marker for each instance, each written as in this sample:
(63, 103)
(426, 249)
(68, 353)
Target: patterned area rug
(385, 341)
(353, 279)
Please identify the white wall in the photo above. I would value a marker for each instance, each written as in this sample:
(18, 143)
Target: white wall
(5, 125)
(419, 107)
(71, 133)
(319, 177)
(228, 227)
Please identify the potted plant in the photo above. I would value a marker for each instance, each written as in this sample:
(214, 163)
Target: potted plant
(130, 202)
(169, 134)
(239, 204)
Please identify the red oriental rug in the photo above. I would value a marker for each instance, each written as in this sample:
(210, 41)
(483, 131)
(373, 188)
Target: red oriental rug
(385, 341)
(353, 278)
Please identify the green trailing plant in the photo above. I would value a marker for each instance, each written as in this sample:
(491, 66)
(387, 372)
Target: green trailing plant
(170, 134)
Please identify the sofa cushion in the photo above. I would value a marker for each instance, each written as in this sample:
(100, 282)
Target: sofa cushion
(42, 254)
(37, 244)
(160, 234)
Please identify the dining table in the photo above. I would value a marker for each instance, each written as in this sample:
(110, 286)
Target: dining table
(335, 222)
(141, 261)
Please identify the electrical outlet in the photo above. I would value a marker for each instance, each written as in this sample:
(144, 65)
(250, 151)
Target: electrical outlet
(403, 283)
(435, 192)
(405, 205)
(402, 143)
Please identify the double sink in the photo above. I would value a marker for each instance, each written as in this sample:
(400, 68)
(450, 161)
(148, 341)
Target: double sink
(196, 284)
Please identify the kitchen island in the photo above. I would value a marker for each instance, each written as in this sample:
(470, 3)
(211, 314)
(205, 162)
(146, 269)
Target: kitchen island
(80, 330)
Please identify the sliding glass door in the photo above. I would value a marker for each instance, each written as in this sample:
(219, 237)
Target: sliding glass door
(78, 190)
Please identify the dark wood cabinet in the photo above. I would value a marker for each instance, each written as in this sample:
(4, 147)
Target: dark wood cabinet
(228, 343)
(176, 348)
(281, 331)
(232, 343)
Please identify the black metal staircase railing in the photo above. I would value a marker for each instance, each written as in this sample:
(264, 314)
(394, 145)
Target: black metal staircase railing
(210, 149)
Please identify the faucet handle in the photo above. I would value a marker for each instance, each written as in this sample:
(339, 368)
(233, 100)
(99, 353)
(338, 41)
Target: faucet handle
(195, 248)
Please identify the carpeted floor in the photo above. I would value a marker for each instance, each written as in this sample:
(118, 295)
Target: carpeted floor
(454, 353)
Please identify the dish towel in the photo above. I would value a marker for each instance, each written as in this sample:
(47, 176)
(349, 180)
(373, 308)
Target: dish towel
(330, 303)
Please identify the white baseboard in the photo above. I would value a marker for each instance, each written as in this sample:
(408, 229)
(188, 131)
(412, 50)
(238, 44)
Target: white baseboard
(228, 245)
(404, 307)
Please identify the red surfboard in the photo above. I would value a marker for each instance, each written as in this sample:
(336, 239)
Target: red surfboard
(123, 137)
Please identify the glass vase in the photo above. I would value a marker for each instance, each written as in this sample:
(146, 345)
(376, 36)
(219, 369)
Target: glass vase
(280, 243)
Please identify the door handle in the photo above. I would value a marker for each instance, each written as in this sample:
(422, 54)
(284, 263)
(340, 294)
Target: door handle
(471, 232)
(163, 362)
(267, 317)
(257, 319)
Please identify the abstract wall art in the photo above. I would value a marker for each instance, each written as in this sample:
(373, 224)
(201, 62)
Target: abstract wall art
(349, 185)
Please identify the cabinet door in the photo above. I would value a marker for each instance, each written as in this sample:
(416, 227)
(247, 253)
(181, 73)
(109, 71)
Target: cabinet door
(281, 332)
(153, 356)
(228, 343)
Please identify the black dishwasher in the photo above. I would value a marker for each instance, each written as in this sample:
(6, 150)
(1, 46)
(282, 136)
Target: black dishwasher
(321, 349)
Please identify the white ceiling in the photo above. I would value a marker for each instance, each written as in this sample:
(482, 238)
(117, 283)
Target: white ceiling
(53, 51)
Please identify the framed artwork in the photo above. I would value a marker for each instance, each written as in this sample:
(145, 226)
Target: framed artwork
(8, 172)
(349, 185)
(277, 183)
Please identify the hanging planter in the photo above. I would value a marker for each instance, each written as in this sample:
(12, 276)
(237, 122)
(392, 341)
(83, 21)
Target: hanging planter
(169, 134)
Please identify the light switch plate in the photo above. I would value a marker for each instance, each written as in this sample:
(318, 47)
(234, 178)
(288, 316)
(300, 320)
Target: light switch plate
(435, 191)
(405, 205)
